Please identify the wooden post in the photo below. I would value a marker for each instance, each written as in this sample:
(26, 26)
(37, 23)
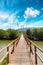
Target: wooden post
(17, 40)
(35, 55)
(27, 42)
(13, 46)
(30, 47)
(8, 54)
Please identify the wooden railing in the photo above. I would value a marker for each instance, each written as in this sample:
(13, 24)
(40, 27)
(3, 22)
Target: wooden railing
(9, 47)
(34, 47)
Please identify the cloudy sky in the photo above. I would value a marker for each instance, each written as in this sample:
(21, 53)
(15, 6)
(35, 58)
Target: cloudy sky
(21, 13)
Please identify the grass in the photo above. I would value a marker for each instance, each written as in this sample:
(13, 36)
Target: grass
(4, 62)
(3, 43)
(39, 43)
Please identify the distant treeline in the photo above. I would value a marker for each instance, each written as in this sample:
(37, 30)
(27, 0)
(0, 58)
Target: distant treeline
(9, 34)
(35, 34)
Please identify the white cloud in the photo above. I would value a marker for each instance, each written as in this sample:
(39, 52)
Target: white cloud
(42, 8)
(30, 12)
(5, 24)
(12, 21)
(22, 24)
(36, 24)
(3, 15)
(16, 21)
(15, 27)
(18, 16)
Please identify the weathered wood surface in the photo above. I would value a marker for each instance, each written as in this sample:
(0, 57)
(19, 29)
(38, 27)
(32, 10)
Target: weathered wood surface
(21, 55)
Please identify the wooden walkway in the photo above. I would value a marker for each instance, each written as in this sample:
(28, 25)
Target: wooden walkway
(24, 52)
(21, 55)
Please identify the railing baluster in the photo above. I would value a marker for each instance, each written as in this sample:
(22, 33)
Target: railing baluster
(8, 50)
(34, 50)
(13, 46)
(30, 47)
(8, 54)
(35, 55)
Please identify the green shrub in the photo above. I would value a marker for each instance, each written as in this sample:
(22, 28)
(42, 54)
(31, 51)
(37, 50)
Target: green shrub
(35, 34)
(9, 34)
(29, 33)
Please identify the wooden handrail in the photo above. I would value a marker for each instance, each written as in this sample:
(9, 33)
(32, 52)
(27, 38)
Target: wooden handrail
(40, 58)
(35, 49)
(3, 57)
(8, 49)
(6, 46)
(35, 45)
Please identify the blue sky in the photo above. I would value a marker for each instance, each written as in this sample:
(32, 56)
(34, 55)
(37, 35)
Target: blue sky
(21, 13)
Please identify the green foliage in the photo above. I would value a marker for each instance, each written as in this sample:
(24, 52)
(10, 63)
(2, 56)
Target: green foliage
(29, 33)
(2, 34)
(13, 34)
(35, 34)
(8, 34)
(38, 33)
(40, 36)
(4, 61)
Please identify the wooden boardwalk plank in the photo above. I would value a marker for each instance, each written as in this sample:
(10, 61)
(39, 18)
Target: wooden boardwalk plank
(21, 55)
